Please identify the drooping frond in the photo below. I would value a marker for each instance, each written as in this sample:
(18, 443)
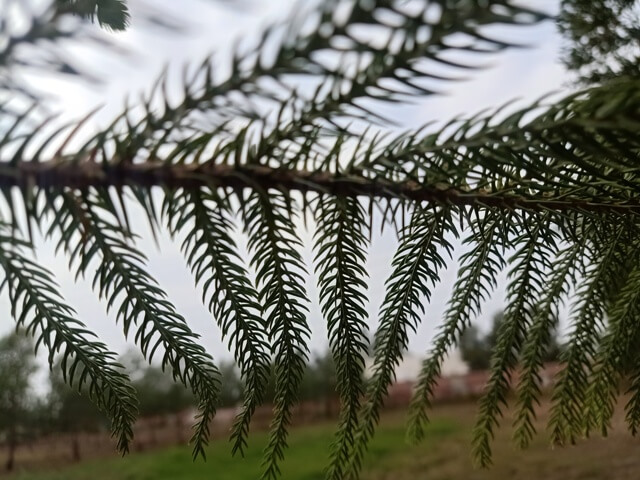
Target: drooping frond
(273, 243)
(632, 408)
(608, 251)
(340, 244)
(89, 230)
(535, 246)
(212, 255)
(544, 320)
(87, 364)
(416, 266)
(616, 347)
(477, 277)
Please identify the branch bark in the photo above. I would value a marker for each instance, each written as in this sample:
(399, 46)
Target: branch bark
(84, 174)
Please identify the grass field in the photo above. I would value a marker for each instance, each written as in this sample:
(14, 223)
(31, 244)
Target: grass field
(444, 455)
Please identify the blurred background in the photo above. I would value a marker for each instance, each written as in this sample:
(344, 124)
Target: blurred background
(49, 431)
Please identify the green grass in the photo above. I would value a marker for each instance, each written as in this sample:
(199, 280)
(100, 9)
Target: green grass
(444, 455)
(306, 458)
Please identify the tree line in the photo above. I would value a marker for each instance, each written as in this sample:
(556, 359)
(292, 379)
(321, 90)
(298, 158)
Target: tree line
(27, 413)
(476, 347)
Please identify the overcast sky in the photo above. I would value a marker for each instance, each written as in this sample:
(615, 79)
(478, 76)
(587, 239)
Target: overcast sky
(214, 26)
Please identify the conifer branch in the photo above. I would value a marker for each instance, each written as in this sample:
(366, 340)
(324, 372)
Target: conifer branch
(340, 245)
(213, 258)
(560, 180)
(87, 365)
(544, 320)
(621, 336)
(416, 267)
(608, 250)
(273, 243)
(84, 175)
(88, 227)
(536, 247)
(477, 277)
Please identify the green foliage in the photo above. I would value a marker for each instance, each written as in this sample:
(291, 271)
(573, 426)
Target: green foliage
(213, 257)
(111, 14)
(415, 271)
(548, 193)
(232, 389)
(158, 393)
(476, 349)
(37, 307)
(340, 244)
(603, 38)
(319, 380)
(541, 345)
(17, 365)
(70, 412)
(120, 276)
(267, 218)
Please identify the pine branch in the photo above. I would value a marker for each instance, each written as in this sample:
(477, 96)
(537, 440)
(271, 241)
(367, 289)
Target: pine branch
(120, 275)
(188, 176)
(212, 256)
(293, 53)
(459, 169)
(87, 365)
(477, 278)
(621, 336)
(267, 218)
(531, 263)
(632, 408)
(340, 245)
(544, 320)
(608, 249)
(416, 267)
(550, 176)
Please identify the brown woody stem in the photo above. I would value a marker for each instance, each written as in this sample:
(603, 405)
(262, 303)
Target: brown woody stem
(59, 174)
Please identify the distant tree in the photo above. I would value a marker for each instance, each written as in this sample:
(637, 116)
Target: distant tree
(319, 378)
(71, 412)
(17, 365)
(477, 349)
(158, 393)
(232, 388)
(554, 349)
(39, 420)
(319, 381)
(603, 38)
(473, 349)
